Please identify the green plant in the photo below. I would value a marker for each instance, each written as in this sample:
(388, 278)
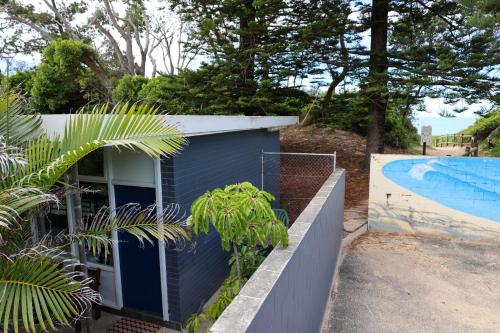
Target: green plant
(247, 226)
(242, 215)
(59, 82)
(39, 289)
(128, 88)
(485, 125)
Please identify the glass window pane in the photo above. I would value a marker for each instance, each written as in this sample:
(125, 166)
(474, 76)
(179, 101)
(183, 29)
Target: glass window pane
(92, 164)
(94, 197)
(55, 219)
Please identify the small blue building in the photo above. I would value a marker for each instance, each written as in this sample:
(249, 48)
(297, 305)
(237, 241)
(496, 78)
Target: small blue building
(163, 283)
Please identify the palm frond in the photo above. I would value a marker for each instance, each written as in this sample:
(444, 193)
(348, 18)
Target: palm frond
(37, 292)
(11, 159)
(135, 127)
(14, 202)
(16, 126)
(16, 239)
(145, 224)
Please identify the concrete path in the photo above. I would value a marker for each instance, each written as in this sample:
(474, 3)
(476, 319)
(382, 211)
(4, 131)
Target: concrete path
(446, 151)
(356, 217)
(407, 284)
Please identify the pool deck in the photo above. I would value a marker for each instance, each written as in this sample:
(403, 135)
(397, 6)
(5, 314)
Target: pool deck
(393, 283)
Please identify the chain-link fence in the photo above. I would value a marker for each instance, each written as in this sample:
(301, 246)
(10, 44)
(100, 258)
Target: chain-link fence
(294, 178)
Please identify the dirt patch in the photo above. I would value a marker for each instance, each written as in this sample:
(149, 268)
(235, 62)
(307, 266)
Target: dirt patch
(303, 183)
(350, 148)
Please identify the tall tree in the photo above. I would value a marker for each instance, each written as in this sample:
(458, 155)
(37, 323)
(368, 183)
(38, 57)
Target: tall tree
(377, 78)
(429, 48)
(331, 38)
(28, 29)
(246, 41)
(125, 33)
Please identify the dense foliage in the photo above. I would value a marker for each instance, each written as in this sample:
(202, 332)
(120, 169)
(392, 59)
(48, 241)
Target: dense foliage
(487, 130)
(261, 57)
(248, 227)
(61, 83)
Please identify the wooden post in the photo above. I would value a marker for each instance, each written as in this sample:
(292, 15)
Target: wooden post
(424, 149)
(462, 140)
(475, 145)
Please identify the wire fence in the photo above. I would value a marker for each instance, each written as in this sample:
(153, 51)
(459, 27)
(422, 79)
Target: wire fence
(295, 178)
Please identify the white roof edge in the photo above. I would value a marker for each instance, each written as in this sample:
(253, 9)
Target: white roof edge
(192, 125)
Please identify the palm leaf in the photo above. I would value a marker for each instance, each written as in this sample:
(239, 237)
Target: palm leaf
(14, 202)
(135, 127)
(11, 159)
(16, 126)
(39, 293)
(145, 224)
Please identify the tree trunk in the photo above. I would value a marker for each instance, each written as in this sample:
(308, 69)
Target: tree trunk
(339, 78)
(377, 90)
(91, 62)
(331, 89)
(238, 267)
(247, 42)
(82, 255)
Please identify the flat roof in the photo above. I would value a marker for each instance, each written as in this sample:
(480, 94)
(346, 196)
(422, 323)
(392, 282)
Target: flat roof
(192, 125)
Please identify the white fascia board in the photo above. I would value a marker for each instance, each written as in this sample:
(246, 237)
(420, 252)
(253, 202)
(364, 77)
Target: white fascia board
(192, 125)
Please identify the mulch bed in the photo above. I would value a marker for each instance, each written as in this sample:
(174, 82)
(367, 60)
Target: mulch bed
(297, 188)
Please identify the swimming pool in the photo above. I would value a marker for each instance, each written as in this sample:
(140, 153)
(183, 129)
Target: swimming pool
(470, 185)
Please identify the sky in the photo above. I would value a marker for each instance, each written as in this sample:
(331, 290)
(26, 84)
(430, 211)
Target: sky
(445, 125)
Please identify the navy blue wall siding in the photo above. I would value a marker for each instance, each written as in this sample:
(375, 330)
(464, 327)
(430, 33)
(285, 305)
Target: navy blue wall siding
(210, 161)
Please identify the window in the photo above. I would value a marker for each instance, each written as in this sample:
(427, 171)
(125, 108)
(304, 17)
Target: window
(54, 220)
(92, 165)
(94, 197)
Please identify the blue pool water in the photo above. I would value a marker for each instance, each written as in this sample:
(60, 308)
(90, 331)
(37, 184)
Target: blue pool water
(470, 185)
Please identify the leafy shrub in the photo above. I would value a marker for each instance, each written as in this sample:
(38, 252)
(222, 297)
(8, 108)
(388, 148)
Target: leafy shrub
(399, 132)
(484, 126)
(57, 83)
(487, 128)
(170, 94)
(248, 226)
(22, 81)
(350, 112)
(210, 90)
(129, 88)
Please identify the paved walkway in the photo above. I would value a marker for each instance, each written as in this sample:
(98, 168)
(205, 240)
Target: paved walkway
(446, 151)
(408, 284)
(356, 217)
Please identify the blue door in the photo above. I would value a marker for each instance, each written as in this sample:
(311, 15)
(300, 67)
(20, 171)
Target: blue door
(140, 266)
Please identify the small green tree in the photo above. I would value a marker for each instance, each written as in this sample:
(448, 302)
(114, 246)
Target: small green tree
(128, 88)
(60, 82)
(242, 215)
(247, 225)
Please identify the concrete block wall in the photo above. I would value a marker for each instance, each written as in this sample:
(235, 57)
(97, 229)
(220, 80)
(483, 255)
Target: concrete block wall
(437, 196)
(290, 290)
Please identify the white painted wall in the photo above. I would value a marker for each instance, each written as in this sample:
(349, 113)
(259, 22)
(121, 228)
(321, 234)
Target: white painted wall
(193, 125)
(132, 168)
